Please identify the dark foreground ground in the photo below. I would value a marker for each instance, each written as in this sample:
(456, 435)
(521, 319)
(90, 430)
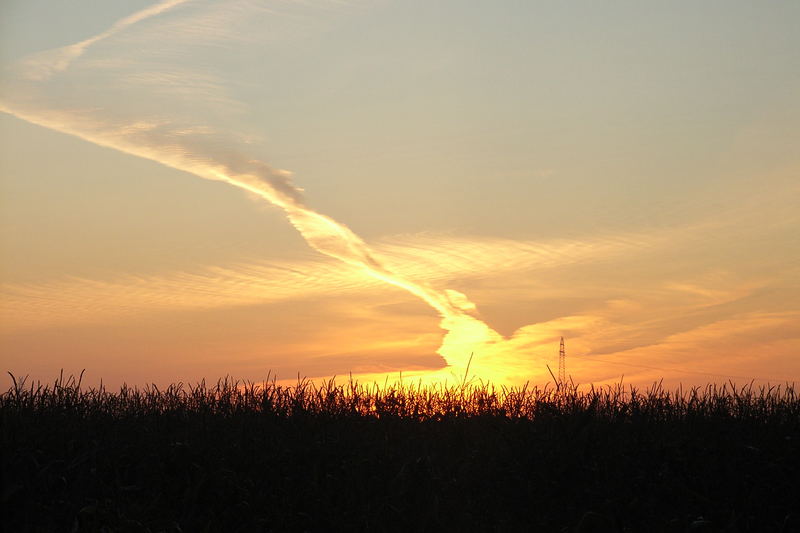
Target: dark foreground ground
(356, 459)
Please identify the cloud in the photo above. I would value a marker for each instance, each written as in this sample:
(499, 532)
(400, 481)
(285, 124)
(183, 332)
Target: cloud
(147, 103)
(220, 157)
(429, 258)
(42, 65)
(733, 347)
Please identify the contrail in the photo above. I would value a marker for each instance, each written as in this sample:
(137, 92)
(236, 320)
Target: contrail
(43, 65)
(211, 156)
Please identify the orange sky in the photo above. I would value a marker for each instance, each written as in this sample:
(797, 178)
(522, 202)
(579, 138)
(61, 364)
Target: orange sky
(464, 180)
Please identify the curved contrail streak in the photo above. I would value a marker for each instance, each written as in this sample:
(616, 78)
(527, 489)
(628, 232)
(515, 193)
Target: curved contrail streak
(43, 65)
(179, 147)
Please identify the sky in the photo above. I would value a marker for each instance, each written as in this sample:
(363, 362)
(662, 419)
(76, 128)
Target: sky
(193, 189)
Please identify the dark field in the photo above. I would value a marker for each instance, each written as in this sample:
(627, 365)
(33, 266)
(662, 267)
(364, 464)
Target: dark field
(235, 457)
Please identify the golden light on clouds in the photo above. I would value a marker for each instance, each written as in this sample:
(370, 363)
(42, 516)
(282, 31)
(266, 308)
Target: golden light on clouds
(652, 258)
(427, 258)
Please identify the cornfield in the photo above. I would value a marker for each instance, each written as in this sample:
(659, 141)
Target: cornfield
(242, 456)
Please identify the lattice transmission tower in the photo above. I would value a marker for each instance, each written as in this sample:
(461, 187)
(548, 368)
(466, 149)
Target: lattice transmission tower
(562, 363)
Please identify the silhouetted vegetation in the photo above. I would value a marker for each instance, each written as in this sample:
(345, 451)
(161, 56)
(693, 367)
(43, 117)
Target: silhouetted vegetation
(245, 457)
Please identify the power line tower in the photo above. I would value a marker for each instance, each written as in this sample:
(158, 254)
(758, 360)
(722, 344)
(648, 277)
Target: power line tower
(562, 363)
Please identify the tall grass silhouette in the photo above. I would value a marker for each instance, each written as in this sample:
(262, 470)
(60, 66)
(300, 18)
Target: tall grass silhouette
(245, 456)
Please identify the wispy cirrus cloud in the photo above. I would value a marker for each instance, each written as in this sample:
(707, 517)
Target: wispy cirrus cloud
(136, 93)
(729, 347)
(41, 66)
(430, 258)
(162, 138)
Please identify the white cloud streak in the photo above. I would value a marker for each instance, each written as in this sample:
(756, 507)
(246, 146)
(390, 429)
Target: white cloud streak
(39, 67)
(433, 259)
(87, 100)
(217, 157)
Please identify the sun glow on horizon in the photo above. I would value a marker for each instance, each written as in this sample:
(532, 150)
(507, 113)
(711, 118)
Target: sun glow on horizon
(462, 206)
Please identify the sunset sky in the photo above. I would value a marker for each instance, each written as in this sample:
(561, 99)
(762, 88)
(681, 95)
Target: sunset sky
(196, 189)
